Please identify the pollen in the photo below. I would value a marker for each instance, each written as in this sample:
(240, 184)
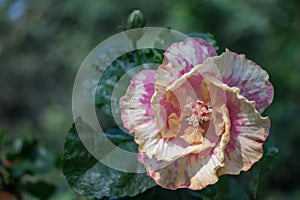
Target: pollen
(200, 112)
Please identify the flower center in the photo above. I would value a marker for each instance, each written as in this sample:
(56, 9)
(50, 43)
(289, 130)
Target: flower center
(200, 112)
(196, 115)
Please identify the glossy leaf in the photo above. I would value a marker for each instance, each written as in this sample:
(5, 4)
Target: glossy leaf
(159, 193)
(111, 75)
(32, 159)
(88, 177)
(229, 189)
(252, 178)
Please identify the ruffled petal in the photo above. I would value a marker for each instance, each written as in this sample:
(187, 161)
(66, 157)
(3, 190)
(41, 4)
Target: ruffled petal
(251, 79)
(177, 155)
(138, 117)
(169, 149)
(248, 132)
(181, 57)
(191, 171)
(136, 111)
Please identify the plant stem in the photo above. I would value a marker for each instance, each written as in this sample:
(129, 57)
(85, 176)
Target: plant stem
(137, 55)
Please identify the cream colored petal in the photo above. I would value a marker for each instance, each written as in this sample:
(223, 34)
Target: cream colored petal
(136, 111)
(174, 127)
(193, 135)
(180, 58)
(177, 147)
(248, 132)
(191, 171)
(237, 71)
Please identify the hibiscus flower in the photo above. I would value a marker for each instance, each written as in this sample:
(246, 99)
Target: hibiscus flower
(197, 116)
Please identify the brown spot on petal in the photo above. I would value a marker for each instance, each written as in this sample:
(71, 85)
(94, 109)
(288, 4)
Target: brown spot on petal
(193, 135)
(172, 128)
(171, 97)
(205, 92)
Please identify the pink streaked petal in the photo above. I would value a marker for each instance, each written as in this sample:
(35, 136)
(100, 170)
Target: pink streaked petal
(176, 147)
(162, 108)
(183, 56)
(251, 79)
(169, 149)
(180, 58)
(136, 111)
(191, 171)
(152, 144)
(247, 133)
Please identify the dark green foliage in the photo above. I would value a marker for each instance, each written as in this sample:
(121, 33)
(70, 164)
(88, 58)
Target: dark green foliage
(41, 190)
(111, 75)
(32, 159)
(22, 158)
(88, 177)
(251, 179)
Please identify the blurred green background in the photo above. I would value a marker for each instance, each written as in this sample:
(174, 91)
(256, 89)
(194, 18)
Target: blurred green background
(42, 44)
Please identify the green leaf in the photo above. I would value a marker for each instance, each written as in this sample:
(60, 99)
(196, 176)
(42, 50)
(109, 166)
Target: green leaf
(256, 173)
(159, 193)
(88, 177)
(29, 157)
(229, 189)
(112, 74)
(41, 189)
(117, 136)
(269, 159)
(208, 193)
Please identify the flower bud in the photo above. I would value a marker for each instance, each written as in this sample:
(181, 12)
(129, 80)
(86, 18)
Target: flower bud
(135, 21)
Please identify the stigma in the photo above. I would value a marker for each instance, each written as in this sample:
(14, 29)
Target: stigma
(200, 112)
